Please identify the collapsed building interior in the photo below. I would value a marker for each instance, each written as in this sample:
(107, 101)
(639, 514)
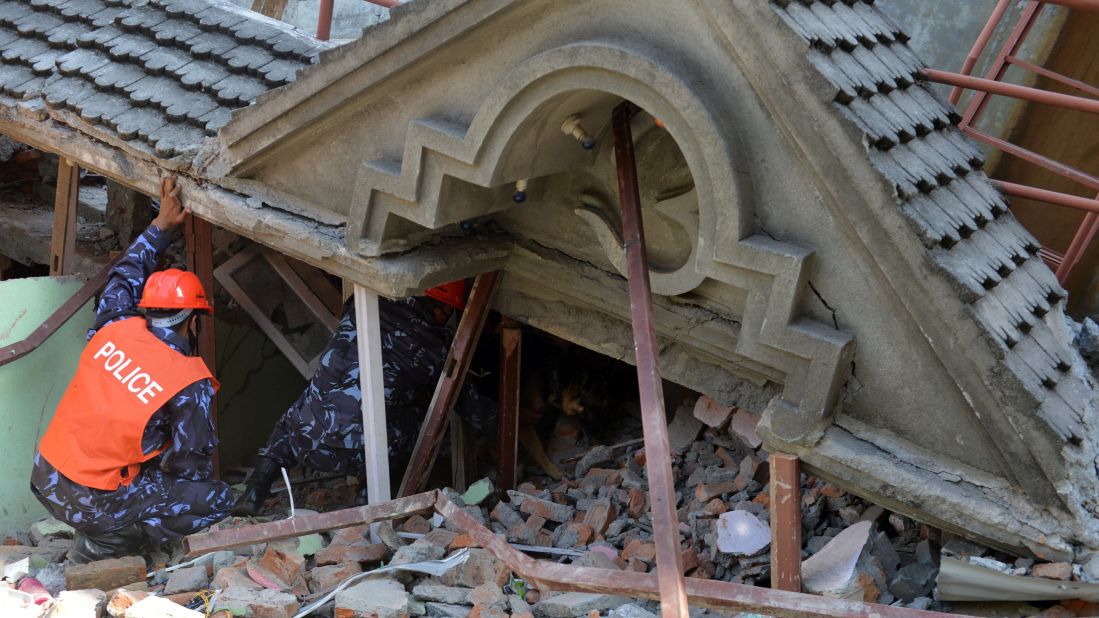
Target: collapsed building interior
(841, 312)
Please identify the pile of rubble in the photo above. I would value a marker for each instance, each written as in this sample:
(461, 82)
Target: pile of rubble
(597, 517)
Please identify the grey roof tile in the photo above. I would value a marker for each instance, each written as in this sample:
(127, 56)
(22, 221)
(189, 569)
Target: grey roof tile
(162, 72)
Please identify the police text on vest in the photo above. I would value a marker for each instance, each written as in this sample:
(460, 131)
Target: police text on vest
(137, 381)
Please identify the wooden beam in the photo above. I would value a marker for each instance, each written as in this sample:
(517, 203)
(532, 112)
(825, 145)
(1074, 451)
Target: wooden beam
(198, 235)
(312, 301)
(372, 386)
(511, 349)
(785, 522)
(63, 242)
(450, 383)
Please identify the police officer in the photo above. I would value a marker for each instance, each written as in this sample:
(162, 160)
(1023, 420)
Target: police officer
(126, 460)
(323, 429)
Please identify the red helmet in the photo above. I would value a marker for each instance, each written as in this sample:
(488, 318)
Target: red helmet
(453, 293)
(174, 289)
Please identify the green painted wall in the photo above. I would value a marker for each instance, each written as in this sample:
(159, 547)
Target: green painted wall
(31, 387)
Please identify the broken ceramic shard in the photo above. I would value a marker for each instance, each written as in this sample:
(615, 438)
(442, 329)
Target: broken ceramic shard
(742, 533)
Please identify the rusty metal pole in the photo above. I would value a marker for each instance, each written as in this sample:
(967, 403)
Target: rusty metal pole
(511, 350)
(199, 241)
(63, 241)
(673, 590)
(450, 383)
(785, 522)
(324, 20)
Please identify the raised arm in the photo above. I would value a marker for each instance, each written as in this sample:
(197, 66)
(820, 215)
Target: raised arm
(127, 278)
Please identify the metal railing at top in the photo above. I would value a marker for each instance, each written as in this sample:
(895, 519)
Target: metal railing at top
(992, 84)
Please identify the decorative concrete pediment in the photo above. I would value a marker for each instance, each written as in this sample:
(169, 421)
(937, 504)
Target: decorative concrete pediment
(826, 249)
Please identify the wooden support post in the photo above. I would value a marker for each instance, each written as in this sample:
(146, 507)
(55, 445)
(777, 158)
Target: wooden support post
(198, 237)
(511, 350)
(785, 522)
(450, 383)
(463, 463)
(63, 243)
(654, 422)
(368, 328)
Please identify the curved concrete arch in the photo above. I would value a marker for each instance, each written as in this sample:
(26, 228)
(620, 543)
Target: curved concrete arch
(813, 356)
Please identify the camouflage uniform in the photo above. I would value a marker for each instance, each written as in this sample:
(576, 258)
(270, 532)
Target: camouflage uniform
(173, 495)
(323, 429)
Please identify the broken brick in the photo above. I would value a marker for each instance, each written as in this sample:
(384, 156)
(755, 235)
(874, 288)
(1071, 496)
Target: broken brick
(350, 536)
(461, 541)
(743, 426)
(416, 524)
(726, 459)
(105, 574)
(600, 515)
(715, 507)
(506, 515)
(373, 598)
(601, 477)
(706, 492)
(552, 511)
(276, 569)
(324, 578)
(710, 412)
(1053, 570)
(488, 594)
(831, 491)
(479, 567)
(638, 502)
(258, 603)
(528, 533)
(357, 552)
(232, 577)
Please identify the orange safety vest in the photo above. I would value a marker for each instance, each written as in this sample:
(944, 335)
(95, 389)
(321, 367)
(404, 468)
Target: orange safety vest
(125, 375)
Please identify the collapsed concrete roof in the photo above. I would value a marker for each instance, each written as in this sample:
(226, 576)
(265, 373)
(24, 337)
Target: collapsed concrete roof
(825, 246)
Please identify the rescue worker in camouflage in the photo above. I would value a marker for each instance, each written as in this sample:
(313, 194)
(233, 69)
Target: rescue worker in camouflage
(323, 429)
(170, 494)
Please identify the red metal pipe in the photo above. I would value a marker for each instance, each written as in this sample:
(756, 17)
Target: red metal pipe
(1055, 76)
(511, 346)
(1030, 156)
(654, 422)
(386, 3)
(1011, 90)
(999, 64)
(979, 45)
(1083, 5)
(1050, 197)
(324, 20)
(1084, 235)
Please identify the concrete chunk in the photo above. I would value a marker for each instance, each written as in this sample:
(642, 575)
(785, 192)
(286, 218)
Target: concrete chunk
(576, 604)
(373, 598)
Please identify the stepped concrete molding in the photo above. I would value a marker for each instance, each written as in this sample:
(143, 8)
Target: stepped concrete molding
(825, 248)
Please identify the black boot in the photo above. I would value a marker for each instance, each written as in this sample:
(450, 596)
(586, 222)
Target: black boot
(90, 548)
(257, 488)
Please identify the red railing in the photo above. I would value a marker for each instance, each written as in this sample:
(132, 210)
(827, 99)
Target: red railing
(992, 84)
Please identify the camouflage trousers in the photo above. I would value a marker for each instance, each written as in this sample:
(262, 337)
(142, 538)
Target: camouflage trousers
(164, 506)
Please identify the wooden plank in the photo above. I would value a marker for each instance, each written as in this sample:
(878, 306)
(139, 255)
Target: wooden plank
(785, 522)
(371, 383)
(63, 242)
(329, 293)
(298, 285)
(511, 349)
(199, 239)
(224, 275)
(450, 383)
